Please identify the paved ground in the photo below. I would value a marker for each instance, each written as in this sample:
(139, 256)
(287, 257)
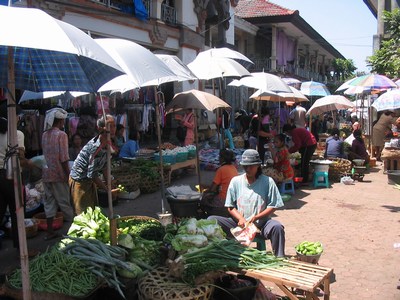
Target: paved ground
(357, 224)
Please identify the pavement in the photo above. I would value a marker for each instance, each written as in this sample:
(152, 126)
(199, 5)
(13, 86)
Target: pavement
(357, 224)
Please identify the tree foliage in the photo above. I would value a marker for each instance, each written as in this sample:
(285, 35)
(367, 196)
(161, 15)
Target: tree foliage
(386, 60)
(343, 68)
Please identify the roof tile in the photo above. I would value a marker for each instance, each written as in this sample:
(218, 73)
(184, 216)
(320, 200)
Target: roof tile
(260, 8)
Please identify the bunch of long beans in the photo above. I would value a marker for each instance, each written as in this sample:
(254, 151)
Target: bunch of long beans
(56, 272)
(223, 255)
(100, 259)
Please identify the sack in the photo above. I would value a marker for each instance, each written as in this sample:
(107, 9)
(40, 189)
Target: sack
(181, 133)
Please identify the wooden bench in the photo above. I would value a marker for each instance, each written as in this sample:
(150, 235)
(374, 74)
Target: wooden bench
(297, 275)
(181, 165)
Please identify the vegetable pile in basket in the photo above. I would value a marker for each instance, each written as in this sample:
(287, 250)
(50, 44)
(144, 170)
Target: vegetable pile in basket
(57, 272)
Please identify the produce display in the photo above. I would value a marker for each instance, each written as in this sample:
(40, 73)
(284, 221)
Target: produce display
(202, 248)
(309, 248)
(146, 228)
(57, 272)
(92, 223)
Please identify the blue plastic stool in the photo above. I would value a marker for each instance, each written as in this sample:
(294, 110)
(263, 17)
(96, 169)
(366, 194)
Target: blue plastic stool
(287, 187)
(260, 243)
(316, 179)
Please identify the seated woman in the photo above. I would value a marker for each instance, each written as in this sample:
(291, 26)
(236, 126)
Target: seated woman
(358, 149)
(334, 145)
(76, 146)
(130, 148)
(213, 200)
(281, 169)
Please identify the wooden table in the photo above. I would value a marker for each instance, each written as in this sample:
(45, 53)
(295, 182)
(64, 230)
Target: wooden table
(181, 165)
(297, 275)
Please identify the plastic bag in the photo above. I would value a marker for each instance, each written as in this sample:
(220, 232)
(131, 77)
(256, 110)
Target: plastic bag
(246, 234)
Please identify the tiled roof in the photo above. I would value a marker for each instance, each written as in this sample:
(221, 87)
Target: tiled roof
(260, 8)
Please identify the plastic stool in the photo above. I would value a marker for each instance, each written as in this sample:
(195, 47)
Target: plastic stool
(260, 243)
(324, 182)
(287, 187)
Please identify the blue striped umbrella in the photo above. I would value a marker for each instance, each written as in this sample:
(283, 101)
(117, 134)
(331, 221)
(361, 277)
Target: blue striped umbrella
(50, 55)
(388, 101)
(314, 88)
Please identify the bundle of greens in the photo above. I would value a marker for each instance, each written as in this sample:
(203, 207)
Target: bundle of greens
(221, 255)
(150, 229)
(92, 223)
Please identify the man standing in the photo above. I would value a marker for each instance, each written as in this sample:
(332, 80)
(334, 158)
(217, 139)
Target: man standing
(298, 116)
(55, 173)
(85, 172)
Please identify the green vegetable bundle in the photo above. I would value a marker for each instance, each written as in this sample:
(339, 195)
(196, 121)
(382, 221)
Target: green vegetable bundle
(223, 255)
(56, 272)
(91, 224)
(101, 259)
(147, 228)
(309, 248)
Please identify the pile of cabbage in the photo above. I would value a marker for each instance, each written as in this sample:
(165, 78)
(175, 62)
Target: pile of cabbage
(192, 233)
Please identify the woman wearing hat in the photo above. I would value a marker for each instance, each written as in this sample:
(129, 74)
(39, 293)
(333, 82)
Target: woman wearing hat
(252, 198)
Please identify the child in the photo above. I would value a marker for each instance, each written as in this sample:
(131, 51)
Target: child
(281, 169)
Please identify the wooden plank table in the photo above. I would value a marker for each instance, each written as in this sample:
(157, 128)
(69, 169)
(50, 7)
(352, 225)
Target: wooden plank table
(297, 275)
(181, 165)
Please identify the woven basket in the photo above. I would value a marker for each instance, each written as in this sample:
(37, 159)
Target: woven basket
(159, 285)
(149, 185)
(129, 180)
(340, 167)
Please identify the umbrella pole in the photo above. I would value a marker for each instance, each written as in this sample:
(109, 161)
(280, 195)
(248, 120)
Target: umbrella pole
(310, 121)
(196, 137)
(113, 221)
(158, 123)
(16, 174)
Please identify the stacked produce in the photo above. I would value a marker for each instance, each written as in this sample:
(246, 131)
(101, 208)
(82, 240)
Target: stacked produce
(309, 248)
(91, 224)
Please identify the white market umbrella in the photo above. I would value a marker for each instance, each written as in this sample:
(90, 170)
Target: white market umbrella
(29, 95)
(46, 55)
(294, 96)
(265, 82)
(388, 101)
(139, 64)
(225, 52)
(314, 88)
(329, 103)
(207, 68)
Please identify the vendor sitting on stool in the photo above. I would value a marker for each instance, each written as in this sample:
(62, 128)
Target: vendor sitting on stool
(358, 149)
(213, 199)
(252, 198)
(281, 169)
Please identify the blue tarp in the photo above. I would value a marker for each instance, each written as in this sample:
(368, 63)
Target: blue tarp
(140, 10)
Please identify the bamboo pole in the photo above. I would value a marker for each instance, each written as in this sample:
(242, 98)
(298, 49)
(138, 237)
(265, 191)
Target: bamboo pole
(113, 221)
(196, 137)
(16, 175)
(158, 123)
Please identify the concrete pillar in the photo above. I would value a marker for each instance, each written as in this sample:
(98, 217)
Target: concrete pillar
(323, 65)
(381, 8)
(273, 49)
(156, 9)
(316, 61)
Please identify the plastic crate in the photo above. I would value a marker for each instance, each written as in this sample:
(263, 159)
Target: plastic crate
(184, 207)
(182, 156)
(170, 159)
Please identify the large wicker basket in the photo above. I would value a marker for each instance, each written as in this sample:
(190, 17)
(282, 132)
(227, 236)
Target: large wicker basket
(158, 284)
(340, 167)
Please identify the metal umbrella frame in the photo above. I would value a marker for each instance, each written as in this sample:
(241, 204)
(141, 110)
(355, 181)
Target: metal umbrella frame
(28, 55)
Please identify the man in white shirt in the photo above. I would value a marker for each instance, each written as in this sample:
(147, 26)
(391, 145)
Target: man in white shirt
(298, 116)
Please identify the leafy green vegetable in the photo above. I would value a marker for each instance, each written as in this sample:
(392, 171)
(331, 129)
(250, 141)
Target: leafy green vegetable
(125, 240)
(134, 271)
(149, 229)
(184, 242)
